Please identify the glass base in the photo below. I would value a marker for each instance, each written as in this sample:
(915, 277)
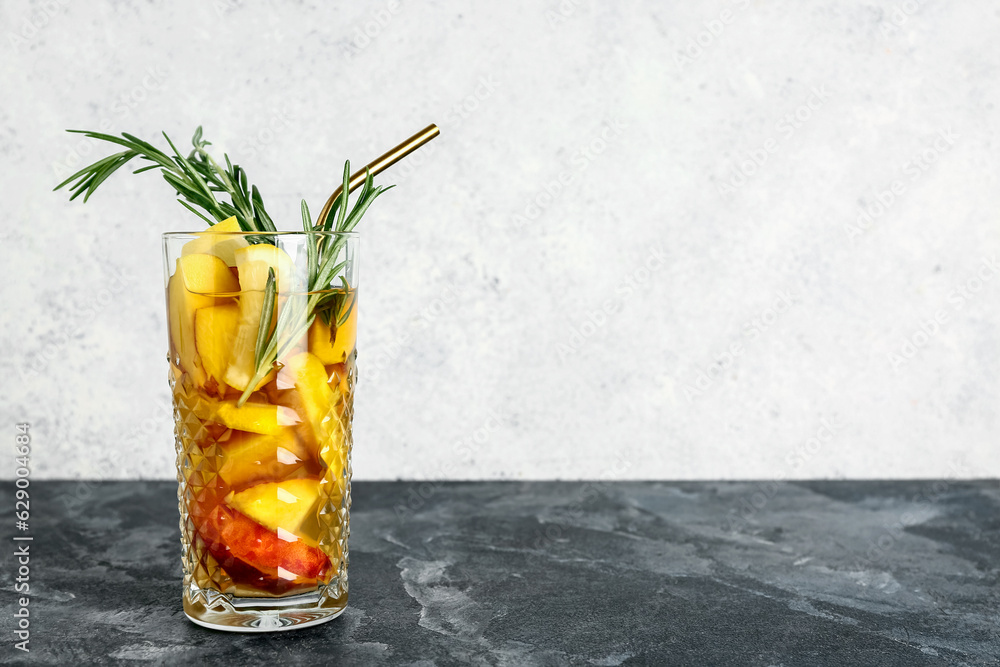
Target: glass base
(211, 609)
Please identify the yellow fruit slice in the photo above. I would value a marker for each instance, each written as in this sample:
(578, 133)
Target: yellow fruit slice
(305, 372)
(253, 263)
(207, 274)
(262, 418)
(289, 507)
(250, 457)
(334, 351)
(214, 333)
(195, 280)
(218, 240)
(320, 343)
(317, 404)
(181, 307)
(346, 336)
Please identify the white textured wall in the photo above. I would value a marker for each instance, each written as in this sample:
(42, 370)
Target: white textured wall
(509, 328)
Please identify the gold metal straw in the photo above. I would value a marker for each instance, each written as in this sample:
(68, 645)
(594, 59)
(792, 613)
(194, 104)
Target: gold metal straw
(380, 164)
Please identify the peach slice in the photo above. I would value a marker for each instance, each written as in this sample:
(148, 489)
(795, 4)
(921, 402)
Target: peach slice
(312, 394)
(289, 507)
(181, 305)
(182, 302)
(214, 333)
(261, 418)
(346, 335)
(207, 274)
(334, 348)
(253, 263)
(219, 240)
(249, 458)
(319, 406)
(321, 342)
(253, 417)
(230, 535)
(193, 285)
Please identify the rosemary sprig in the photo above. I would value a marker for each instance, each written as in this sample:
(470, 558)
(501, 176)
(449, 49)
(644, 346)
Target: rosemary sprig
(266, 313)
(294, 320)
(196, 179)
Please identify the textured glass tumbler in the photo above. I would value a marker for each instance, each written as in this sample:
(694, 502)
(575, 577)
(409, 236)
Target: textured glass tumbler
(262, 338)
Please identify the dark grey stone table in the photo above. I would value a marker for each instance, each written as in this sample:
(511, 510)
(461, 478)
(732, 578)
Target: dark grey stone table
(817, 573)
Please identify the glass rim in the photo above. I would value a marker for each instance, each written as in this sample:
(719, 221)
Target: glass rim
(303, 233)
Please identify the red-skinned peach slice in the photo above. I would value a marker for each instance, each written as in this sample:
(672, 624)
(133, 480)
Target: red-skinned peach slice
(230, 534)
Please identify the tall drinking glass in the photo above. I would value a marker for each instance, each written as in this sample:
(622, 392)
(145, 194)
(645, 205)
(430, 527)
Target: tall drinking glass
(262, 371)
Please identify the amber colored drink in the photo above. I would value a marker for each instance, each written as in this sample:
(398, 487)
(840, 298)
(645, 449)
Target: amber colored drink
(263, 462)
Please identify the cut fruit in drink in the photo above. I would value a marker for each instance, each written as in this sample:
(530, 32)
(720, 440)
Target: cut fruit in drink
(182, 302)
(262, 418)
(249, 458)
(207, 274)
(321, 342)
(253, 263)
(289, 507)
(218, 240)
(231, 534)
(319, 405)
(346, 335)
(333, 348)
(249, 581)
(318, 401)
(214, 333)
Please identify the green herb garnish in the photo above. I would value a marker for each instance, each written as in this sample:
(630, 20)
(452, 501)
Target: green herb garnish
(197, 179)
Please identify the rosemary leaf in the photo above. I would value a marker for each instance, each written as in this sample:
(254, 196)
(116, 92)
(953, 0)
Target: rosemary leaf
(92, 168)
(155, 155)
(188, 169)
(196, 212)
(344, 194)
(327, 273)
(311, 249)
(149, 148)
(258, 207)
(266, 313)
(361, 207)
(344, 314)
(327, 224)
